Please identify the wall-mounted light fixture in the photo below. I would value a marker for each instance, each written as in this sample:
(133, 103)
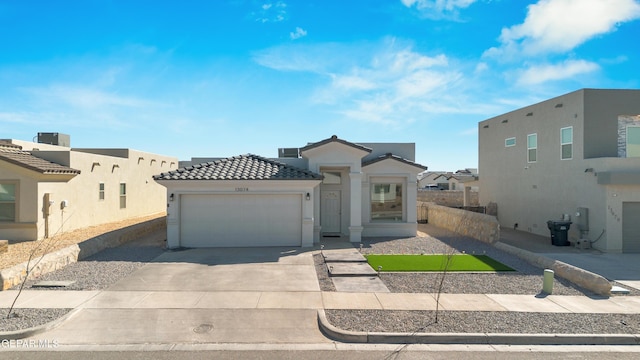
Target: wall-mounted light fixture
(171, 197)
(308, 197)
(588, 170)
(505, 121)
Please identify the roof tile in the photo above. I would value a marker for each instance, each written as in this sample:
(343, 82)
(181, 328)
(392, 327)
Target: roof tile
(24, 159)
(243, 167)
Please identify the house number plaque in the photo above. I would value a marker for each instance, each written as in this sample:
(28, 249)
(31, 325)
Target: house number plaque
(242, 189)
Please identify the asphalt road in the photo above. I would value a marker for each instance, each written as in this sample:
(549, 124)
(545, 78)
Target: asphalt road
(388, 352)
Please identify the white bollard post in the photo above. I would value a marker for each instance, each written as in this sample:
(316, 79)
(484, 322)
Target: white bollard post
(547, 282)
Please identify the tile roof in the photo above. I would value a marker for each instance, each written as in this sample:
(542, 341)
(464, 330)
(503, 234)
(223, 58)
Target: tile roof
(243, 167)
(394, 157)
(13, 154)
(334, 138)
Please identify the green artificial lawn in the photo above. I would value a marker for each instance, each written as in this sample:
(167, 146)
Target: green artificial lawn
(458, 262)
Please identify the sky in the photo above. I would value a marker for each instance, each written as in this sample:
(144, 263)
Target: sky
(228, 77)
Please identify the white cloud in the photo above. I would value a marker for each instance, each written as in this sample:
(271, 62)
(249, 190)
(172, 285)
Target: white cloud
(85, 97)
(558, 26)
(438, 8)
(271, 12)
(544, 73)
(300, 32)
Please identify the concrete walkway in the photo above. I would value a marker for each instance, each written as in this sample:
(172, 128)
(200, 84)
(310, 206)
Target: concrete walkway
(310, 300)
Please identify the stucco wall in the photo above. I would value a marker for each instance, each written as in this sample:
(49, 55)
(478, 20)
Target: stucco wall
(81, 192)
(447, 197)
(530, 193)
(478, 226)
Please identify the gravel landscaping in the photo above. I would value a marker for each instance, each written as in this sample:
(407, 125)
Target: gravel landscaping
(483, 322)
(96, 272)
(27, 318)
(526, 280)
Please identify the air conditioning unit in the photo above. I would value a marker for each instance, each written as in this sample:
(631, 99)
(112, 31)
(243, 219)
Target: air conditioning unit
(52, 138)
(288, 152)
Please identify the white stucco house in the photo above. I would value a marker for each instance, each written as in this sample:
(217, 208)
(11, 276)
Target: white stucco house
(330, 188)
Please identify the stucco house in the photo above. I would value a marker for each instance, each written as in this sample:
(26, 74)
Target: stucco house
(574, 157)
(330, 188)
(49, 189)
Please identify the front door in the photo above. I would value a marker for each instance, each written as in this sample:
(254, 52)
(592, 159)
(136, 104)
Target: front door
(330, 212)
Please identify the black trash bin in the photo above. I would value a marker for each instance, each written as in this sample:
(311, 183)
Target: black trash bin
(559, 230)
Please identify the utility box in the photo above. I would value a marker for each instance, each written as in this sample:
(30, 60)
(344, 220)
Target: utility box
(52, 138)
(582, 219)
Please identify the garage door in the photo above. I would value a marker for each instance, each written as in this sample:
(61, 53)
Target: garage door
(631, 227)
(239, 220)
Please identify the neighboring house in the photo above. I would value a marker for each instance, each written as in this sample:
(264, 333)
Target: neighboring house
(576, 156)
(329, 188)
(48, 189)
(447, 180)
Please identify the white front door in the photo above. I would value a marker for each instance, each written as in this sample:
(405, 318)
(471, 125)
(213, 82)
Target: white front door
(330, 212)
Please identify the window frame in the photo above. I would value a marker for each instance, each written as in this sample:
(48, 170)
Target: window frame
(626, 140)
(123, 195)
(376, 191)
(506, 144)
(15, 202)
(101, 188)
(529, 148)
(563, 144)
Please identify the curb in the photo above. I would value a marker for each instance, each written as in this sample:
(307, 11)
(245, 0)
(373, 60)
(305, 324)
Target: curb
(338, 334)
(24, 333)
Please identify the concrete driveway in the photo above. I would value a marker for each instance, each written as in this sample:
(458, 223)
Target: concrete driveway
(251, 295)
(233, 269)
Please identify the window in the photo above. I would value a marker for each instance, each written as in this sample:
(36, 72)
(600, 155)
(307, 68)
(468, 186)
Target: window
(331, 178)
(633, 141)
(532, 148)
(566, 142)
(101, 191)
(7, 202)
(510, 142)
(123, 196)
(386, 202)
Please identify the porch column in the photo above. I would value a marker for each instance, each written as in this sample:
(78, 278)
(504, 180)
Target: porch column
(355, 216)
(412, 200)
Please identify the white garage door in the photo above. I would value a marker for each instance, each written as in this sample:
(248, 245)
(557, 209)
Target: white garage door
(236, 220)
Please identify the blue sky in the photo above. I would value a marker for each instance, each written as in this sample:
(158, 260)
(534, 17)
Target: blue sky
(222, 78)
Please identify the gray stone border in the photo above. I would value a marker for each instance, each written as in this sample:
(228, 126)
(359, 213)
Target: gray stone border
(335, 333)
(586, 279)
(25, 333)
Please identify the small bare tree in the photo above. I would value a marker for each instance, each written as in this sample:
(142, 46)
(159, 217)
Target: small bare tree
(447, 259)
(44, 245)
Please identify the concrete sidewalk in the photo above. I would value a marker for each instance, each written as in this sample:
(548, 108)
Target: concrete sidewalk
(313, 300)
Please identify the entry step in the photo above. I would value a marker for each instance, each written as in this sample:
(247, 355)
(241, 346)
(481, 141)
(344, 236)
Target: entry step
(343, 256)
(350, 269)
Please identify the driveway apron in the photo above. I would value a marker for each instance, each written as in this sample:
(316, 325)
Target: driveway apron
(205, 296)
